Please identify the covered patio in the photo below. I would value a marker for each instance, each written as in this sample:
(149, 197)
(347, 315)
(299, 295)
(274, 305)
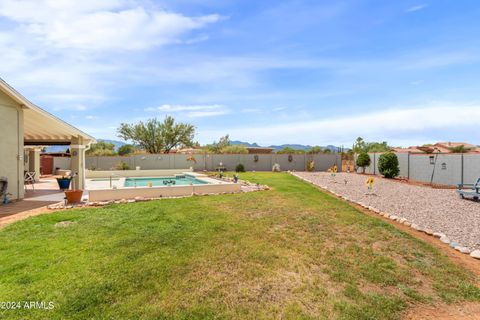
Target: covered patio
(28, 129)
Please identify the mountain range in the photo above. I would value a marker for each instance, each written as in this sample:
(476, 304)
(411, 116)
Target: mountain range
(283, 146)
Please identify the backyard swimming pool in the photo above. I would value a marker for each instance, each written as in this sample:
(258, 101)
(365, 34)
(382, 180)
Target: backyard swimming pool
(163, 181)
(129, 184)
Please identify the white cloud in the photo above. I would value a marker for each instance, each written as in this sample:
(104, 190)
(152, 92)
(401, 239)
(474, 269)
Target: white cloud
(100, 25)
(416, 8)
(193, 111)
(397, 126)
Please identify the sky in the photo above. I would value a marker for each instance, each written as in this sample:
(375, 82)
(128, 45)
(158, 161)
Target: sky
(272, 72)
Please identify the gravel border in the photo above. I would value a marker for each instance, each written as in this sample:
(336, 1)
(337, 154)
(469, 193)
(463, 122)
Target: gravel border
(436, 212)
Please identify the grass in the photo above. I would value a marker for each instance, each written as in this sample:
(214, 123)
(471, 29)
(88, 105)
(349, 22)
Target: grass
(293, 252)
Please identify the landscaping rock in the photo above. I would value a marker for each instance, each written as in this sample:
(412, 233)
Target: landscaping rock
(453, 216)
(428, 231)
(438, 235)
(463, 249)
(445, 239)
(475, 254)
(454, 244)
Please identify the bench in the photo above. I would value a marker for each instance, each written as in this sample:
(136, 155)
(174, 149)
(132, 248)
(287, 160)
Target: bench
(469, 190)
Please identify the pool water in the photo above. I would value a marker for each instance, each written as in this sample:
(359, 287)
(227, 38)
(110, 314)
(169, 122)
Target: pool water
(163, 181)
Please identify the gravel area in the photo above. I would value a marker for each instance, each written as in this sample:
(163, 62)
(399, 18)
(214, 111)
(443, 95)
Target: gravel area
(431, 210)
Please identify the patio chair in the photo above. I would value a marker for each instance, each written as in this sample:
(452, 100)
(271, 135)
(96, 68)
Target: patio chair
(30, 179)
(3, 188)
(469, 190)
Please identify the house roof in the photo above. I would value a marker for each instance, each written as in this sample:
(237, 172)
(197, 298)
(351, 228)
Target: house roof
(40, 126)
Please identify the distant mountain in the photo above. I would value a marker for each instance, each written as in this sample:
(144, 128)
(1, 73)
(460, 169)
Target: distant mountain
(293, 146)
(116, 143)
(246, 144)
(283, 146)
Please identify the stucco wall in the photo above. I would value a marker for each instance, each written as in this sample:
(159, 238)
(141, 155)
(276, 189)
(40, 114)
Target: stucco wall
(11, 145)
(211, 161)
(443, 169)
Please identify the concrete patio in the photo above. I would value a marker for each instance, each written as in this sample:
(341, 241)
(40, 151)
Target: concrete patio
(46, 192)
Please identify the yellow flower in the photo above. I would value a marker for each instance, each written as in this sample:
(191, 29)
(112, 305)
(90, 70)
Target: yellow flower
(370, 181)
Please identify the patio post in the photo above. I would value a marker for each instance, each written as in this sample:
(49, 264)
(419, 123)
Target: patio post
(77, 152)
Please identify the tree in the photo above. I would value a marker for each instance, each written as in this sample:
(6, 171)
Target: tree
(459, 149)
(216, 147)
(126, 149)
(157, 137)
(101, 148)
(361, 146)
(388, 165)
(363, 160)
(316, 150)
(290, 150)
(241, 149)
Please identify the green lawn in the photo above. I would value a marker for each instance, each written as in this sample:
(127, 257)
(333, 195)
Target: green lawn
(293, 252)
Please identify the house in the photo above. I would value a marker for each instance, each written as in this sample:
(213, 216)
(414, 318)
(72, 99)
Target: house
(259, 150)
(25, 128)
(439, 147)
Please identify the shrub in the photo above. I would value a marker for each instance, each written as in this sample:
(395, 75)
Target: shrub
(388, 165)
(234, 149)
(363, 160)
(240, 168)
(311, 165)
(126, 149)
(276, 167)
(122, 166)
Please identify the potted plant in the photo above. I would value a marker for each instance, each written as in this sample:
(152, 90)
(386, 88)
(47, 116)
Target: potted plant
(73, 196)
(64, 182)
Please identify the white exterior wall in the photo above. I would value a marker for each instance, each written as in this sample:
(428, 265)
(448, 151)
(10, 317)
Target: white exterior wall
(11, 145)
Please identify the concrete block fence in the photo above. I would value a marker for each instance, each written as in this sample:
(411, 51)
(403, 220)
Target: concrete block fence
(448, 169)
(251, 162)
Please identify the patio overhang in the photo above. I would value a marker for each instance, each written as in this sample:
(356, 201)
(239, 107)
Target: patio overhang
(42, 128)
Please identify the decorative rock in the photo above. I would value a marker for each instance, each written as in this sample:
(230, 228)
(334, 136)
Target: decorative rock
(475, 254)
(463, 249)
(408, 224)
(130, 200)
(393, 217)
(402, 220)
(438, 235)
(416, 227)
(428, 231)
(454, 244)
(445, 239)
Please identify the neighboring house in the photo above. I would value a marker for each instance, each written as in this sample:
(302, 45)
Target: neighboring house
(259, 150)
(25, 128)
(439, 147)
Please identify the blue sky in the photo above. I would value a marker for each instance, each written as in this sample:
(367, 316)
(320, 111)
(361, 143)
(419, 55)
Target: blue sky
(272, 72)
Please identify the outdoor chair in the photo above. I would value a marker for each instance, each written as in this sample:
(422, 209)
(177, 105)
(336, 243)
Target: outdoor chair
(30, 179)
(469, 190)
(3, 188)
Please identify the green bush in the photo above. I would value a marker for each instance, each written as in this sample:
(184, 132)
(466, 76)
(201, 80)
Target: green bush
(122, 166)
(240, 168)
(388, 165)
(126, 149)
(363, 160)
